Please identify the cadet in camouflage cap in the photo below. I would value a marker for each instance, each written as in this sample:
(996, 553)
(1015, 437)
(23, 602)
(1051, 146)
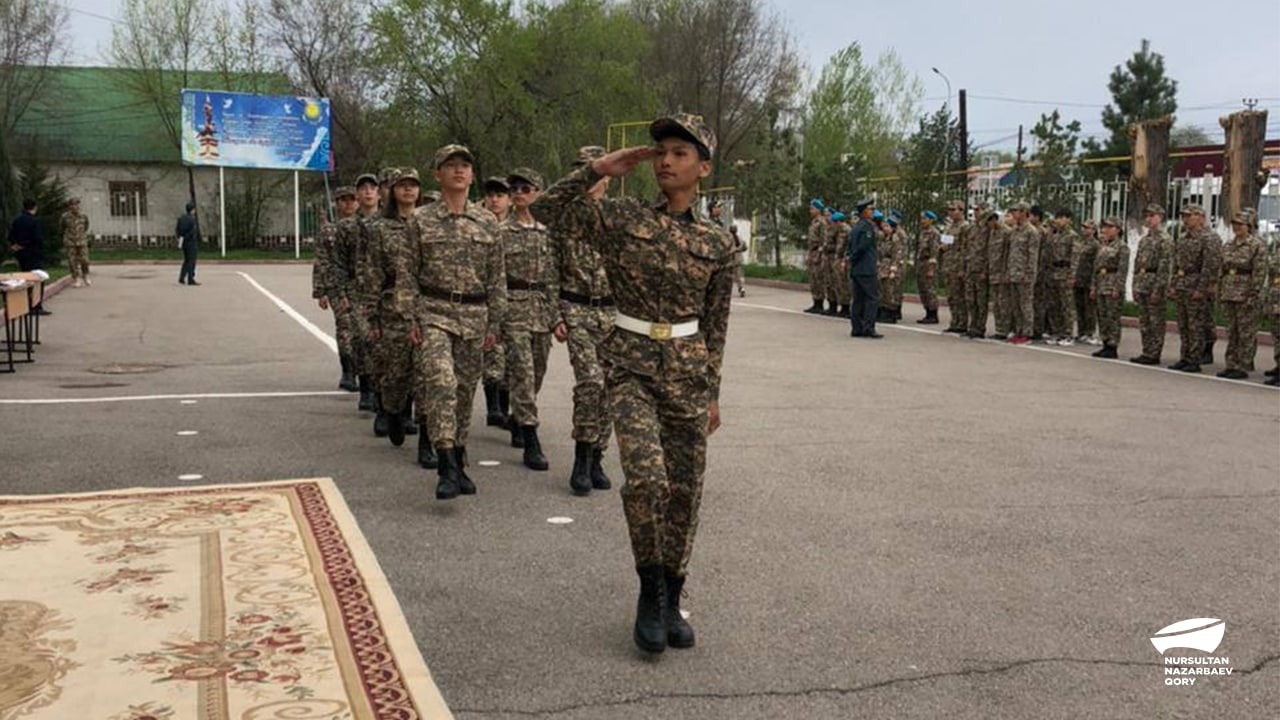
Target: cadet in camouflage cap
(344, 191)
(1241, 285)
(529, 176)
(366, 178)
(1111, 266)
(1152, 269)
(75, 239)
(1153, 209)
(330, 272)
(1192, 209)
(450, 151)
(688, 127)
(1023, 206)
(402, 174)
(496, 184)
(1113, 221)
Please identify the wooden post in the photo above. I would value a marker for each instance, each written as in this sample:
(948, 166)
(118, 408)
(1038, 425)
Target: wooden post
(1148, 166)
(1242, 173)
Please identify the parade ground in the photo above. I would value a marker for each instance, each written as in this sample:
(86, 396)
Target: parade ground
(923, 526)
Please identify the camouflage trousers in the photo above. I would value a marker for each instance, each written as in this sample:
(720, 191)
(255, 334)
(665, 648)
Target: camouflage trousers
(1109, 318)
(447, 368)
(956, 294)
(662, 441)
(1041, 302)
(1275, 337)
(1004, 308)
(1151, 324)
(891, 292)
(592, 413)
(1242, 330)
(977, 297)
(495, 366)
(1061, 315)
(831, 279)
(928, 286)
(394, 361)
(1022, 307)
(1191, 335)
(1086, 312)
(527, 354)
(843, 285)
(1208, 326)
(78, 259)
(344, 327)
(817, 276)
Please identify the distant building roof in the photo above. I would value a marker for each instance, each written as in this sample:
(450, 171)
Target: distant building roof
(1196, 160)
(91, 114)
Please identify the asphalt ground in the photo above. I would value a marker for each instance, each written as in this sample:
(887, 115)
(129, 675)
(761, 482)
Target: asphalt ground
(918, 527)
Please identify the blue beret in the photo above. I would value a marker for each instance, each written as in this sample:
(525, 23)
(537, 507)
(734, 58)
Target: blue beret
(838, 216)
(929, 214)
(817, 204)
(877, 215)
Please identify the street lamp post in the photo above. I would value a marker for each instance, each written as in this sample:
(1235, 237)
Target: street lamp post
(946, 150)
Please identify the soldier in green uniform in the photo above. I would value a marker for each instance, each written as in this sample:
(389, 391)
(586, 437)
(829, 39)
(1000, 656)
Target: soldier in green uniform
(953, 267)
(1244, 266)
(672, 277)
(1024, 259)
(813, 261)
(891, 265)
(75, 239)
(839, 289)
(1083, 252)
(1110, 270)
(533, 291)
(451, 287)
(977, 280)
(351, 250)
(1041, 292)
(1196, 261)
(497, 397)
(329, 271)
(1273, 310)
(927, 267)
(1061, 316)
(1152, 269)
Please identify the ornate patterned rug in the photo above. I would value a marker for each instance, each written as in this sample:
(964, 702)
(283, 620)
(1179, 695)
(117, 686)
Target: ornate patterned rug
(234, 602)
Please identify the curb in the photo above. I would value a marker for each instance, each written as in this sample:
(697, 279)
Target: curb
(1170, 327)
(211, 261)
(57, 286)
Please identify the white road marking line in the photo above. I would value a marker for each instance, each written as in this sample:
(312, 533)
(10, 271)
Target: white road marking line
(1036, 348)
(190, 402)
(310, 327)
(136, 398)
(560, 520)
(188, 433)
(190, 478)
(489, 463)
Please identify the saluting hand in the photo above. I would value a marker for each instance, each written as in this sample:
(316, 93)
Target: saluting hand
(561, 331)
(713, 417)
(621, 162)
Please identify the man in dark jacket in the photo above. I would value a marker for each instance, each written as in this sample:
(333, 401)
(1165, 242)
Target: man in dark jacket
(26, 245)
(862, 272)
(188, 233)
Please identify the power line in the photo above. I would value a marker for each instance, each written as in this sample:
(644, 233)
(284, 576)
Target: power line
(87, 13)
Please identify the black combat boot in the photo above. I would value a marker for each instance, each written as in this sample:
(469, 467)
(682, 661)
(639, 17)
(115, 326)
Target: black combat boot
(886, 315)
(1178, 365)
(1190, 368)
(381, 420)
(426, 452)
(1108, 352)
(1273, 380)
(448, 472)
(465, 486)
(347, 382)
(831, 310)
(1207, 358)
(599, 480)
(533, 457)
(1273, 372)
(504, 404)
(815, 308)
(395, 426)
(366, 395)
(679, 632)
(517, 437)
(651, 628)
(580, 477)
(410, 422)
(843, 311)
(930, 318)
(493, 409)
(897, 313)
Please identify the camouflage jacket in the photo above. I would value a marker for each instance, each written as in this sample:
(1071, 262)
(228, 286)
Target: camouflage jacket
(891, 254)
(927, 249)
(840, 236)
(1152, 263)
(1044, 259)
(1273, 288)
(530, 256)
(1111, 267)
(365, 295)
(952, 256)
(1024, 253)
(1061, 244)
(1244, 267)
(450, 253)
(1197, 257)
(388, 239)
(75, 228)
(1084, 250)
(350, 248)
(581, 267)
(974, 247)
(322, 271)
(662, 268)
(817, 234)
(833, 235)
(998, 254)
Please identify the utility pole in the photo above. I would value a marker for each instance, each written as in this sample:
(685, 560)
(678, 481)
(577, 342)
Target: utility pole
(964, 147)
(1018, 159)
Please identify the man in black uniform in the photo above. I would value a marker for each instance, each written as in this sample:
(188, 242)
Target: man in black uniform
(861, 265)
(188, 233)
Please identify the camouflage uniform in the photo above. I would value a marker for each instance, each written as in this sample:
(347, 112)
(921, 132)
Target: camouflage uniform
(330, 271)
(1152, 268)
(838, 238)
(1243, 277)
(392, 353)
(953, 270)
(1061, 313)
(533, 289)
(663, 268)
(451, 281)
(1196, 258)
(927, 268)
(1110, 270)
(976, 279)
(814, 261)
(1084, 249)
(1041, 292)
(1024, 259)
(75, 239)
(351, 246)
(1273, 305)
(891, 263)
(998, 277)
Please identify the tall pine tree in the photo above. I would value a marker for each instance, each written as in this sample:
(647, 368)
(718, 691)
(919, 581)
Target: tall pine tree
(1140, 91)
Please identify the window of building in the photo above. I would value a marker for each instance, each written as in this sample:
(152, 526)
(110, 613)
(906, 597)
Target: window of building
(127, 198)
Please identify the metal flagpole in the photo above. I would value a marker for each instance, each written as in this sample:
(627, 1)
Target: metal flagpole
(222, 209)
(297, 219)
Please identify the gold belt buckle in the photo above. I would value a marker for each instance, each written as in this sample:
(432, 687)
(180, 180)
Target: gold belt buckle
(1232, 271)
(660, 331)
(1102, 271)
(1182, 273)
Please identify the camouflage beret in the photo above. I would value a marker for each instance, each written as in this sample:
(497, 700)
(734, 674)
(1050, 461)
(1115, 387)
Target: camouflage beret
(497, 184)
(1192, 209)
(451, 151)
(1153, 209)
(1113, 221)
(687, 126)
(1242, 218)
(530, 176)
(587, 153)
(367, 178)
(344, 191)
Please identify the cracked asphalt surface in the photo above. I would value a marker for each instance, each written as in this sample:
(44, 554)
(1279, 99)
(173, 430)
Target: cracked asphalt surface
(919, 527)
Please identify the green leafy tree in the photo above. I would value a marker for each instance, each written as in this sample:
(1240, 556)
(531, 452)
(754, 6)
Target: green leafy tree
(768, 182)
(10, 194)
(50, 193)
(1052, 162)
(1140, 90)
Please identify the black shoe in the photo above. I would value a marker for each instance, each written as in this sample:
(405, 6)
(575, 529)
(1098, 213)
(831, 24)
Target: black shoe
(1234, 374)
(930, 318)
(465, 486)
(1000, 336)
(974, 335)
(427, 453)
(448, 472)
(1144, 360)
(956, 330)
(831, 312)
(580, 476)
(367, 403)
(395, 427)
(1273, 372)
(192, 282)
(599, 480)
(504, 404)
(651, 629)
(1107, 352)
(679, 632)
(347, 382)
(381, 424)
(843, 311)
(1178, 365)
(517, 437)
(1190, 368)
(182, 281)
(1207, 357)
(40, 311)
(493, 410)
(533, 457)
(1275, 380)
(410, 423)
(815, 308)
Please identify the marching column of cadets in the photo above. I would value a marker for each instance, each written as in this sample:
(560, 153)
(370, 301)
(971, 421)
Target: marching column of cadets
(1048, 283)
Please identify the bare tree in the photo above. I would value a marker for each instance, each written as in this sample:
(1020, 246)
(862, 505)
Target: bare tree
(160, 42)
(33, 38)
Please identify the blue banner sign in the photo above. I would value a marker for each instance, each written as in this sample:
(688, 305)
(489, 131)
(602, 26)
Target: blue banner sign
(279, 132)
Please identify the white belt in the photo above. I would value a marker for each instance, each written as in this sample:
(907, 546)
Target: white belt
(655, 330)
